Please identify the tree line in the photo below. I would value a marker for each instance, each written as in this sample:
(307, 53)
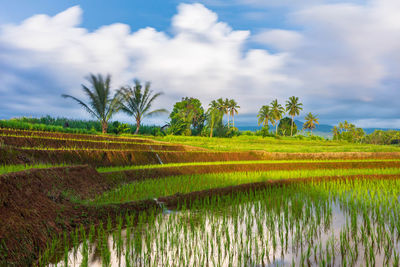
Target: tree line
(188, 117)
(274, 112)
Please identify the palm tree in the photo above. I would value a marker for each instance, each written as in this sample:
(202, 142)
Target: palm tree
(276, 113)
(233, 109)
(137, 102)
(222, 105)
(263, 116)
(293, 107)
(311, 120)
(101, 105)
(214, 115)
(335, 132)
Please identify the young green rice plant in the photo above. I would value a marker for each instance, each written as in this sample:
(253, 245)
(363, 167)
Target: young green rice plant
(22, 167)
(327, 223)
(154, 188)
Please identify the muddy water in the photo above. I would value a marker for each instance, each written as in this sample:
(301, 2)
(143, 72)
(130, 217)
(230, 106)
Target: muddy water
(251, 234)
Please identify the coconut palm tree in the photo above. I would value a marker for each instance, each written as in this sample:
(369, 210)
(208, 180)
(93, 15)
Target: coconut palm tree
(276, 113)
(335, 132)
(136, 101)
(214, 115)
(293, 107)
(311, 121)
(263, 116)
(100, 105)
(233, 109)
(222, 105)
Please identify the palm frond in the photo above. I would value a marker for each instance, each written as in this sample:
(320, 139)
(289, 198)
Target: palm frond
(91, 112)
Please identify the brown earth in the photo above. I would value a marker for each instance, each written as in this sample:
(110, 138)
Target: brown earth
(162, 172)
(97, 158)
(44, 143)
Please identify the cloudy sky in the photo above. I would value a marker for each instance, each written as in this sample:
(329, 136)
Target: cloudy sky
(341, 58)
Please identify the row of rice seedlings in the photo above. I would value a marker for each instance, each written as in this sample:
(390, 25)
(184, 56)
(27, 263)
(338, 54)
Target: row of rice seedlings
(72, 148)
(152, 188)
(325, 224)
(146, 141)
(22, 167)
(272, 144)
(208, 163)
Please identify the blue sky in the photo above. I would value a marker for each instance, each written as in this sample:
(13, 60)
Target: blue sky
(342, 58)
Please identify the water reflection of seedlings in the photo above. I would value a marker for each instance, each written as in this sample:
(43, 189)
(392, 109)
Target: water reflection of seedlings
(345, 223)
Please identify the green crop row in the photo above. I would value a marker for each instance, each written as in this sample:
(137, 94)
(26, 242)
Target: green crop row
(154, 188)
(150, 142)
(271, 144)
(169, 165)
(23, 167)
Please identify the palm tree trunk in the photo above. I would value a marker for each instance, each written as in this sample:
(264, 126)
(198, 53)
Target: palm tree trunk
(228, 120)
(291, 130)
(137, 126)
(211, 132)
(276, 128)
(104, 126)
(233, 121)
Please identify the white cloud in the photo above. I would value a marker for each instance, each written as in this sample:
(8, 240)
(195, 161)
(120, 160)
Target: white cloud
(203, 58)
(343, 63)
(282, 40)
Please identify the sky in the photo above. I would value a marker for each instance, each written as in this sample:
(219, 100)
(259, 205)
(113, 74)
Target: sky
(341, 58)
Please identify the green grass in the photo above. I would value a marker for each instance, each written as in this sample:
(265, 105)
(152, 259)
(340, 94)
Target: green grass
(21, 167)
(169, 165)
(272, 144)
(154, 188)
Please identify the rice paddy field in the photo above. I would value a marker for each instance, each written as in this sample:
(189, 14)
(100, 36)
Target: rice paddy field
(99, 200)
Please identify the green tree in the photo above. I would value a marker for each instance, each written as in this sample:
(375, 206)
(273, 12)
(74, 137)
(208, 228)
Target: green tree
(311, 121)
(233, 109)
(101, 105)
(214, 115)
(136, 101)
(286, 128)
(293, 107)
(187, 115)
(348, 131)
(276, 113)
(223, 106)
(335, 132)
(263, 116)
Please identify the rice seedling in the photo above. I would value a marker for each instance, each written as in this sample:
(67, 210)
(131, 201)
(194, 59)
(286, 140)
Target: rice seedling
(154, 188)
(156, 166)
(271, 144)
(22, 167)
(348, 222)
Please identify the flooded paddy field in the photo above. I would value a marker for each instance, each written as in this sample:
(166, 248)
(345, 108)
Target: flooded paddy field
(336, 223)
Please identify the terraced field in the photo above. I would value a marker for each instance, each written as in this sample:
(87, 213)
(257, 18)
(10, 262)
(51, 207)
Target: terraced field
(83, 200)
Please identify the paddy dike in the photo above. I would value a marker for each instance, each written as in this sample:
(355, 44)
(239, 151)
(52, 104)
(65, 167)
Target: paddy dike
(102, 158)
(51, 143)
(59, 135)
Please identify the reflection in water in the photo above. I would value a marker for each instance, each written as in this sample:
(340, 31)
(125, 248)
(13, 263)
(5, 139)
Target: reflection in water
(268, 228)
